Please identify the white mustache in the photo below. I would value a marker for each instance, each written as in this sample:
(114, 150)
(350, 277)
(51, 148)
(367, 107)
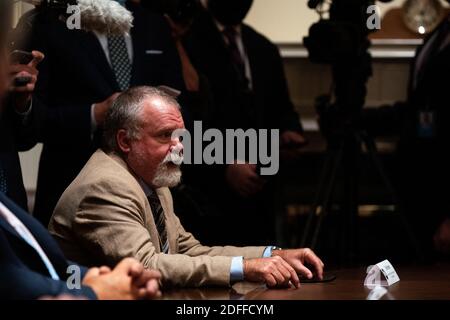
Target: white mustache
(175, 156)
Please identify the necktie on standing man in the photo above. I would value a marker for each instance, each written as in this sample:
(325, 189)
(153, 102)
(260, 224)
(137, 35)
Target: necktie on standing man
(158, 216)
(120, 61)
(230, 34)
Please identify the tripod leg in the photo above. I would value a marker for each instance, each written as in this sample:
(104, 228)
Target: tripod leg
(319, 194)
(349, 210)
(328, 194)
(373, 154)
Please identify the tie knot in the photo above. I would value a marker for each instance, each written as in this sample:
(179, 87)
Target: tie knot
(230, 33)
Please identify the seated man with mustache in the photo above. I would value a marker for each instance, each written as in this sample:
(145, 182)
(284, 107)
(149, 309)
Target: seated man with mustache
(120, 206)
(31, 263)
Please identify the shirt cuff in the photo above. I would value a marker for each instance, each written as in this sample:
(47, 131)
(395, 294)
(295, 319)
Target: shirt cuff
(93, 122)
(268, 252)
(237, 269)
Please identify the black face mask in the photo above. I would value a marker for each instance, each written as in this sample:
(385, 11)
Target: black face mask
(229, 12)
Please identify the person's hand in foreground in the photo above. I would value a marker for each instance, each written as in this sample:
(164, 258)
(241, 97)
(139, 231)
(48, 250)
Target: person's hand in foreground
(129, 280)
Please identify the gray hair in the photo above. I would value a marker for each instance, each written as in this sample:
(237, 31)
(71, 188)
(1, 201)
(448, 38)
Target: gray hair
(126, 113)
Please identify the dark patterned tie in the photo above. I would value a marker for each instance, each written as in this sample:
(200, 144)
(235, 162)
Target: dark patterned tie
(158, 216)
(3, 184)
(231, 34)
(120, 61)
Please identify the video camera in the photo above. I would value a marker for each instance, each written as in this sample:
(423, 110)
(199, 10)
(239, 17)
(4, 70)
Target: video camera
(181, 11)
(342, 41)
(344, 35)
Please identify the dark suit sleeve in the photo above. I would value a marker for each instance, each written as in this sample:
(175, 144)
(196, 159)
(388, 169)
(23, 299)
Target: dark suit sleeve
(25, 128)
(287, 118)
(173, 75)
(19, 282)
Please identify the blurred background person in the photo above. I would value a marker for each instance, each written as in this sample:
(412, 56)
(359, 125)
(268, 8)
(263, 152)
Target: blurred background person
(423, 124)
(18, 122)
(19, 126)
(248, 89)
(82, 75)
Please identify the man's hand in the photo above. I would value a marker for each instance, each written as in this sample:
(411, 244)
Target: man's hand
(101, 108)
(275, 272)
(147, 280)
(299, 258)
(291, 143)
(442, 237)
(21, 95)
(128, 281)
(243, 179)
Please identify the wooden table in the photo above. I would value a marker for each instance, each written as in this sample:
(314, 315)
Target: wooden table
(416, 283)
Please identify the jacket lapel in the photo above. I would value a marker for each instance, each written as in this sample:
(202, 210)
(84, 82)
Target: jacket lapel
(5, 225)
(137, 70)
(101, 73)
(153, 231)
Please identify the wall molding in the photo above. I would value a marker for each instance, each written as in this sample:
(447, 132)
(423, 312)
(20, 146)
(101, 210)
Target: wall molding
(380, 49)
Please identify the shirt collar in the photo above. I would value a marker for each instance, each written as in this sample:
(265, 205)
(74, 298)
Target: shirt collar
(221, 27)
(147, 190)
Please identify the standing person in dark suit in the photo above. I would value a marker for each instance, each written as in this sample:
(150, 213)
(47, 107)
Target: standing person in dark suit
(249, 90)
(18, 122)
(18, 128)
(31, 263)
(79, 80)
(423, 124)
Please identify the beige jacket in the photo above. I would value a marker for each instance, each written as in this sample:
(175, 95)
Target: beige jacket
(104, 216)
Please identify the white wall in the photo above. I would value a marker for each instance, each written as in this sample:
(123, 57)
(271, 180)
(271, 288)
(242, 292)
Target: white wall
(288, 21)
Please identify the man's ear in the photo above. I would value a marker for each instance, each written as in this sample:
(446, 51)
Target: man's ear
(123, 141)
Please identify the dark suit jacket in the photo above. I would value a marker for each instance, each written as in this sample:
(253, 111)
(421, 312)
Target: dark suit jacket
(17, 133)
(75, 75)
(269, 106)
(266, 106)
(23, 274)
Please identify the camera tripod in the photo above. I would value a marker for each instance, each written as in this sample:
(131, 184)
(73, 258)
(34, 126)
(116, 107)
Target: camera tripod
(345, 151)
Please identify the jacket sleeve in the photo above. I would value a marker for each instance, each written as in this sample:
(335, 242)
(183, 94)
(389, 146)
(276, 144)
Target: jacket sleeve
(20, 282)
(117, 229)
(25, 128)
(285, 115)
(58, 124)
